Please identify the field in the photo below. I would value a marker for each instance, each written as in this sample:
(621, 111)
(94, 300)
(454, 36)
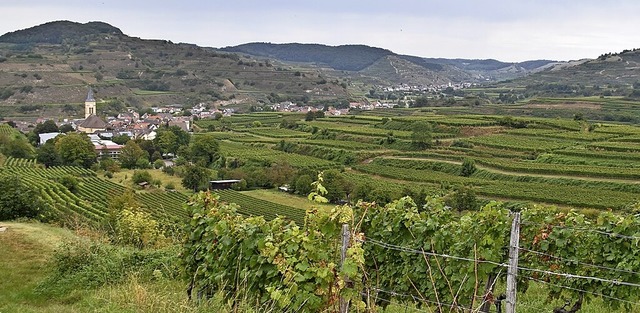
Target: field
(566, 162)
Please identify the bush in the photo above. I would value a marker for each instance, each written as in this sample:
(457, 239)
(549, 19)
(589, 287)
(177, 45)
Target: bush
(85, 264)
(158, 163)
(141, 177)
(138, 229)
(19, 200)
(170, 186)
(468, 168)
(70, 182)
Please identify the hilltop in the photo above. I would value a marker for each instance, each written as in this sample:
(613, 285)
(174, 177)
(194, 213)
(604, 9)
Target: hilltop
(46, 70)
(367, 61)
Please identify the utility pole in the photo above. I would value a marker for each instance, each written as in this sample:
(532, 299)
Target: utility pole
(512, 271)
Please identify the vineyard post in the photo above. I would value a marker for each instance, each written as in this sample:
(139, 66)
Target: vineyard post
(346, 236)
(512, 271)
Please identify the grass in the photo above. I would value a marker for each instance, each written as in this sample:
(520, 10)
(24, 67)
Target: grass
(124, 176)
(276, 196)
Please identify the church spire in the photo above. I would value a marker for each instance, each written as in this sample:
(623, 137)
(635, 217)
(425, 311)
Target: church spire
(90, 96)
(89, 104)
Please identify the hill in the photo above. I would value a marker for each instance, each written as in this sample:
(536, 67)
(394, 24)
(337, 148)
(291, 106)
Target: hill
(345, 57)
(47, 68)
(57, 32)
(415, 70)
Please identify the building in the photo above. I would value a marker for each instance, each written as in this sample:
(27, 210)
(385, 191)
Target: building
(92, 123)
(106, 148)
(89, 104)
(44, 137)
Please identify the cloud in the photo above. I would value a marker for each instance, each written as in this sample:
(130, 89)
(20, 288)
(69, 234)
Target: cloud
(505, 30)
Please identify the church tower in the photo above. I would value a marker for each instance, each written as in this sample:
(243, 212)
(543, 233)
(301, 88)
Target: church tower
(89, 104)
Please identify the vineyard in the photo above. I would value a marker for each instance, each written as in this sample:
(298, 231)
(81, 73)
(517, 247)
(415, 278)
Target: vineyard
(558, 161)
(424, 259)
(90, 201)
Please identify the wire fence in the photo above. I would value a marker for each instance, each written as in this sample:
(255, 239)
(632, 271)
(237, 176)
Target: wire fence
(569, 276)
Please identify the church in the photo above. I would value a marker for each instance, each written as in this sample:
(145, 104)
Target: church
(92, 123)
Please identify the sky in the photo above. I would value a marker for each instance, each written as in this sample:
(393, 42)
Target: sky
(506, 30)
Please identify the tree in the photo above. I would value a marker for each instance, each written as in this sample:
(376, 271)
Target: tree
(335, 184)
(303, 184)
(18, 199)
(204, 150)
(196, 178)
(16, 146)
(421, 135)
(121, 139)
(66, 128)
(76, 149)
(183, 137)
(130, 153)
(421, 102)
(47, 126)
(280, 173)
(463, 198)
(48, 155)
(141, 177)
(468, 167)
(167, 142)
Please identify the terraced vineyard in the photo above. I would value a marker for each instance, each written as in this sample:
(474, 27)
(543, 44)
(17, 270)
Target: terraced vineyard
(558, 161)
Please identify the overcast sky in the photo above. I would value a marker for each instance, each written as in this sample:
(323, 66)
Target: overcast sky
(507, 30)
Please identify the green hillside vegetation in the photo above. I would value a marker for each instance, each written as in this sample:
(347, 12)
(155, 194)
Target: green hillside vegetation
(50, 79)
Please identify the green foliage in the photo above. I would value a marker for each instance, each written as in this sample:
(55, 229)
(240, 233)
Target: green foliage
(19, 199)
(70, 182)
(15, 145)
(303, 184)
(196, 178)
(138, 229)
(204, 150)
(434, 229)
(121, 139)
(158, 163)
(462, 198)
(468, 167)
(292, 266)
(141, 177)
(421, 135)
(82, 264)
(76, 149)
(130, 154)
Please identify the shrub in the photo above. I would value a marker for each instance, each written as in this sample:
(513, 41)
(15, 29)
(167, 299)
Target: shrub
(141, 176)
(170, 186)
(70, 182)
(138, 229)
(158, 163)
(468, 168)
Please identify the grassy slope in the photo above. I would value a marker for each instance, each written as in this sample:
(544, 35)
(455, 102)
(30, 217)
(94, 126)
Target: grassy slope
(25, 262)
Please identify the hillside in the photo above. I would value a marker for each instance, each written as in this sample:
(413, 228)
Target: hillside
(608, 69)
(58, 32)
(367, 61)
(46, 70)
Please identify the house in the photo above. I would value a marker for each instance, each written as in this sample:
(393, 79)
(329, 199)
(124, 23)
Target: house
(106, 148)
(44, 137)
